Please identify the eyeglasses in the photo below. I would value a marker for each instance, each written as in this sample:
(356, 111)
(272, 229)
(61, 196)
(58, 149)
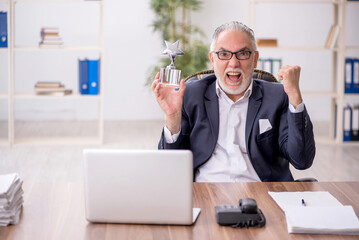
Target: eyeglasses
(240, 55)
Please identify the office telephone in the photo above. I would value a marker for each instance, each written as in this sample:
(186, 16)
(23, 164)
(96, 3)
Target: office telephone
(246, 214)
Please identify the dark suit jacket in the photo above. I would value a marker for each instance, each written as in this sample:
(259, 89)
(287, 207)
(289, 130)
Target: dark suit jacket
(290, 139)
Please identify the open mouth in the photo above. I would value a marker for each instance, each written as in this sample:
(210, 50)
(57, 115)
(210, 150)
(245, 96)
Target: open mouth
(234, 77)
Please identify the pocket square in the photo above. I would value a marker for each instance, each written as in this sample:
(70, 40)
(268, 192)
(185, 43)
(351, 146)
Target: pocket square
(264, 126)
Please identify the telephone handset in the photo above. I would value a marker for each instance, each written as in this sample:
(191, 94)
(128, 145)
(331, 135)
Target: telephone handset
(246, 214)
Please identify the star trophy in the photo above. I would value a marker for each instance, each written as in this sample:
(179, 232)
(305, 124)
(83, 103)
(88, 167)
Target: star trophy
(170, 76)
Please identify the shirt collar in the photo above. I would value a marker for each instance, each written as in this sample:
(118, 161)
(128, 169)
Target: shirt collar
(220, 93)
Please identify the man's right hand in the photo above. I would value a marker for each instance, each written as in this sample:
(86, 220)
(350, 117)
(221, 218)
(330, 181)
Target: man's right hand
(171, 103)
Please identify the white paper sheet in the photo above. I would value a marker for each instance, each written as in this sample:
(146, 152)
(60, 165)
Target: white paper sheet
(292, 199)
(6, 182)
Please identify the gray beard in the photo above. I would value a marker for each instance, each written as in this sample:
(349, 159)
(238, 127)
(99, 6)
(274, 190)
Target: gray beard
(242, 87)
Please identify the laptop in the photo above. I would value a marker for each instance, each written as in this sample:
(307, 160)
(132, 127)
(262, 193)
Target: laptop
(139, 186)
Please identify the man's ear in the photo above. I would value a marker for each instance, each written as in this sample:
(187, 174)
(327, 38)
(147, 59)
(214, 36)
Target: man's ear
(211, 59)
(256, 56)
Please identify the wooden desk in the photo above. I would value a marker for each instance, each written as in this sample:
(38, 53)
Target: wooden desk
(56, 211)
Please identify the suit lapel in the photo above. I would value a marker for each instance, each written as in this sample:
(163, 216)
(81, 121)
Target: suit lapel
(212, 108)
(255, 102)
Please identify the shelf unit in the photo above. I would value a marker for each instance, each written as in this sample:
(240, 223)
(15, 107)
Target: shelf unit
(13, 95)
(337, 94)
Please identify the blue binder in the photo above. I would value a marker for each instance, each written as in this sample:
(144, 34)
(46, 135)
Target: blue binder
(83, 77)
(3, 29)
(355, 123)
(348, 88)
(347, 123)
(93, 77)
(355, 86)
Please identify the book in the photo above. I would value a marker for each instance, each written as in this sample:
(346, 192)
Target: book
(266, 42)
(55, 93)
(52, 41)
(48, 45)
(48, 90)
(49, 34)
(42, 84)
(50, 30)
(332, 36)
(3, 29)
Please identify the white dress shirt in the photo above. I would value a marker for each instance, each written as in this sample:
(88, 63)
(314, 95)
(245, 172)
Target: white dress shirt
(229, 161)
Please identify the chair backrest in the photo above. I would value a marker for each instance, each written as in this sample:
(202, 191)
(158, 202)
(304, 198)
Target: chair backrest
(257, 74)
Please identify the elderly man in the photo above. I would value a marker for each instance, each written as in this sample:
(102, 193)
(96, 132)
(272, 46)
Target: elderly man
(238, 128)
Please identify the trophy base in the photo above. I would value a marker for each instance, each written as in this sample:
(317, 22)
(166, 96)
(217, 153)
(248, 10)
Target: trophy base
(170, 77)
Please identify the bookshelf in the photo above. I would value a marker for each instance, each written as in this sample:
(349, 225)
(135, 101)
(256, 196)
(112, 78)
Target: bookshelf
(76, 51)
(337, 54)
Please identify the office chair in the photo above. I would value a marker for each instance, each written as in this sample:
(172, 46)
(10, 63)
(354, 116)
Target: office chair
(257, 74)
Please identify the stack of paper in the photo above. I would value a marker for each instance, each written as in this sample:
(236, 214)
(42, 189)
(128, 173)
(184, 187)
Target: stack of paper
(316, 213)
(322, 220)
(10, 199)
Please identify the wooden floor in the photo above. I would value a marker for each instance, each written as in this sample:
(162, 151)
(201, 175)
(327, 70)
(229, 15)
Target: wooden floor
(64, 163)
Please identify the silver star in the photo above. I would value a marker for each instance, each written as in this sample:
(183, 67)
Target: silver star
(172, 49)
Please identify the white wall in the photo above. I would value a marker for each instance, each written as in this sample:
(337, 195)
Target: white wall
(131, 48)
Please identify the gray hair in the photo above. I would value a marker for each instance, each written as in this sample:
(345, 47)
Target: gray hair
(233, 26)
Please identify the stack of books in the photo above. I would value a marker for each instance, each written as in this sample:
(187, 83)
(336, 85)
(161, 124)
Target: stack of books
(11, 199)
(51, 88)
(50, 37)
